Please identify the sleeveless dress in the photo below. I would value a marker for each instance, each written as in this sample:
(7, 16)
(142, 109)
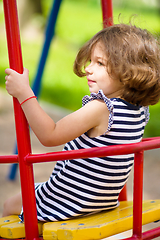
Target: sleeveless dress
(84, 186)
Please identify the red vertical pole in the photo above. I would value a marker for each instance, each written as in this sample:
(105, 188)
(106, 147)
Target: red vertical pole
(123, 194)
(107, 13)
(22, 128)
(138, 194)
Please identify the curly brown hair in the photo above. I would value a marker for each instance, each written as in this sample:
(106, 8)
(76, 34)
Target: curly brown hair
(133, 57)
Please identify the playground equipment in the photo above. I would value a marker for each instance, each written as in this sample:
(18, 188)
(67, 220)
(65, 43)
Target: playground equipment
(49, 34)
(127, 216)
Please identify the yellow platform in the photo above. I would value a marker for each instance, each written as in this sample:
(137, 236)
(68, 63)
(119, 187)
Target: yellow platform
(101, 225)
(11, 227)
(97, 226)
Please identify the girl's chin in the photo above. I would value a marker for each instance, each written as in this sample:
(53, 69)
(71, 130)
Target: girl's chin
(93, 90)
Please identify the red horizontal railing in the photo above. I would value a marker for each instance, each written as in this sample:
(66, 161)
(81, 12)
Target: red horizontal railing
(146, 144)
(9, 159)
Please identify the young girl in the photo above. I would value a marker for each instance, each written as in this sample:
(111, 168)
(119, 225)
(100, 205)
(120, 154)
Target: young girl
(122, 67)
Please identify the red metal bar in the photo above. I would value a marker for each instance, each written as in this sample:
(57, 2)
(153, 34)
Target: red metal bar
(107, 13)
(13, 38)
(9, 159)
(138, 194)
(123, 194)
(153, 233)
(22, 128)
(94, 152)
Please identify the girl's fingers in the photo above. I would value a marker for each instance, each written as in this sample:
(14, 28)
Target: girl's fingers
(8, 71)
(26, 72)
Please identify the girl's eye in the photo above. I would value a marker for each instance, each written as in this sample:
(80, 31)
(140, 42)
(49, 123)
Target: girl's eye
(100, 63)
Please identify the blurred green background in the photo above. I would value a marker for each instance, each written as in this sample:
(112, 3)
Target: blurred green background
(78, 21)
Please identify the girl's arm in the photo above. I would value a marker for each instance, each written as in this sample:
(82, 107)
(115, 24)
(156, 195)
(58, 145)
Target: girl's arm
(49, 133)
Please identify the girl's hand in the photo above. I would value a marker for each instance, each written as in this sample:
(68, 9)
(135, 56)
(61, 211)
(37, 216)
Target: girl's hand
(17, 84)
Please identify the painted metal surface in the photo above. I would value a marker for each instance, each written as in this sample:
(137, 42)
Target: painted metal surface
(26, 158)
(22, 128)
(107, 12)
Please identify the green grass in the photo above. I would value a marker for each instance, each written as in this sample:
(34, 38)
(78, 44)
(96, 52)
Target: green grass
(78, 21)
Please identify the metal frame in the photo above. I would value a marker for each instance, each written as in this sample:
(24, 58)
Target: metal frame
(37, 83)
(26, 159)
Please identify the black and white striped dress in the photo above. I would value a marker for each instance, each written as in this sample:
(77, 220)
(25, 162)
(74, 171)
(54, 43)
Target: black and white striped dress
(84, 186)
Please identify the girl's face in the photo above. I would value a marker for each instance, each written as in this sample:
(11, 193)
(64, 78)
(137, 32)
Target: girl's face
(97, 75)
